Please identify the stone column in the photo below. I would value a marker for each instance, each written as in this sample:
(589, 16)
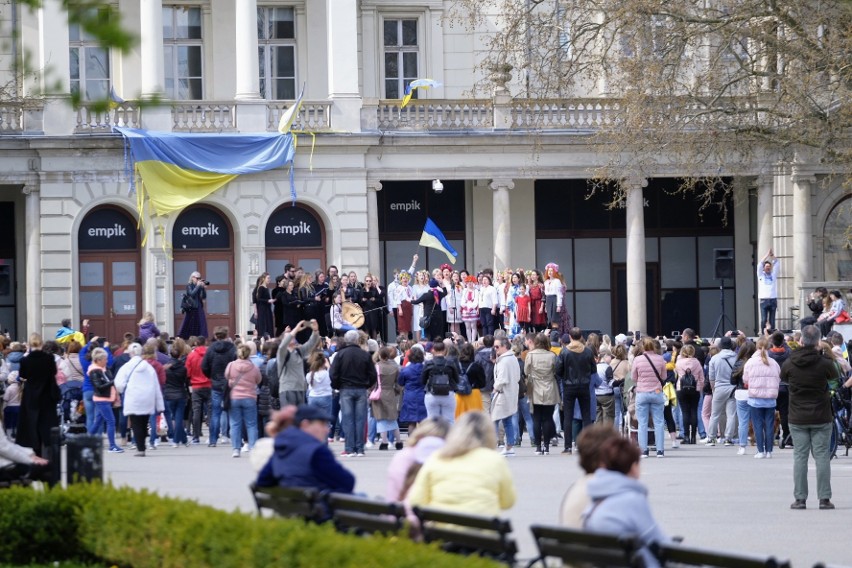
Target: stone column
(765, 183)
(248, 81)
(802, 230)
(151, 41)
(33, 271)
(502, 231)
(342, 30)
(637, 309)
(374, 262)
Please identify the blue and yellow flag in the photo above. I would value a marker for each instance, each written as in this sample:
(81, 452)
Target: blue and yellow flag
(432, 237)
(417, 84)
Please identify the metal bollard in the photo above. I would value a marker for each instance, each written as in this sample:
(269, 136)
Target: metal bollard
(84, 456)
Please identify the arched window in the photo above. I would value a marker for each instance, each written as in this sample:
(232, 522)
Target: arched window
(838, 242)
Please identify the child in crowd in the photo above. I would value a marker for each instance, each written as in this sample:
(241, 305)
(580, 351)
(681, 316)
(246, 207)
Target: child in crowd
(470, 307)
(12, 404)
(522, 309)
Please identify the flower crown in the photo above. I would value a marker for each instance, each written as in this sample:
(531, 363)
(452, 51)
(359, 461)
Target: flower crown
(552, 265)
(446, 266)
(470, 280)
(403, 274)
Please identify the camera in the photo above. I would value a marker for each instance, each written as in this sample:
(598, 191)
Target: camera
(206, 282)
(437, 186)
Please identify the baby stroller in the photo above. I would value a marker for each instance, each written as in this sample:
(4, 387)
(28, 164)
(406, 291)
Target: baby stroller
(631, 424)
(841, 409)
(71, 402)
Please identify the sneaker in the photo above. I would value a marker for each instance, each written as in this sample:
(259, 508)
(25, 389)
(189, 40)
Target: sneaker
(546, 451)
(359, 455)
(759, 456)
(245, 448)
(799, 504)
(383, 447)
(675, 444)
(567, 451)
(661, 454)
(345, 454)
(174, 445)
(235, 453)
(195, 442)
(152, 447)
(139, 454)
(703, 440)
(508, 453)
(398, 445)
(539, 451)
(211, 445)
(225, 439)
(825, 504)
(729, 443)
(368, 445)
(644, 454)
(710, 442)
(767, 456)
(741, 452)
(116, 450)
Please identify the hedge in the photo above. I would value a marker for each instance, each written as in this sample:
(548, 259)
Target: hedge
(101, 524)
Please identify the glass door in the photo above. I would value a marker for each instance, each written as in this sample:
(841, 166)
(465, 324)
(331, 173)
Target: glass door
(110, 295)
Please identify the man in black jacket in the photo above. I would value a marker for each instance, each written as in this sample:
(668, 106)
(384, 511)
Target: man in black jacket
(352, 373)
(807, 372)
(216, 359)
(574, 368)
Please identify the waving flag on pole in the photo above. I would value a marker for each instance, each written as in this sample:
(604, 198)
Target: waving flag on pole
(432, 237)
(285, 124)
(114, 99)
(417, 84)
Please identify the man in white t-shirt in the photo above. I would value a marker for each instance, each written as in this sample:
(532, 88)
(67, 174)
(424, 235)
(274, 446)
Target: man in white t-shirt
(767, 290)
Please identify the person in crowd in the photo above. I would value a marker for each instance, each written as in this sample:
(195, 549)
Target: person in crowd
(137, 379)
(320, 392)
(690, 382)
(507, 376)
(385, 410)
(371, 300)
(419, 287)
(431, 300)
(649, 370)
(553, 295)
(291, 307)
(767, 290)
(470, 308)
(312, 308)
(605, 393)
(485, 357)
(471, 368)
(439, 379)
(720, 369)
(66, 334)
(413, 409)
(12, 403)
(807, 372)
(489, 303)
(574, 368)
(535, 288)
(620, 375)
(148, 327)
(779, 351)
(19, 462)
(455, 291)
(762, 377)
(836, 310)
(542, 390)
(279, 420)
(175, 392)
(200, 386)
(619, 502)
(576, 500)
(291, 360)
(816, 304)
(243, 379)
(486, 486)
(217, 357)
(85, 359)
(403, 296)
(301, 457)
(105, 397)
(72, 370)
(744, 352)
(406, 463)
(264, 305)
(522, 310)
(352, 373)
(41, 394)
(195, 318)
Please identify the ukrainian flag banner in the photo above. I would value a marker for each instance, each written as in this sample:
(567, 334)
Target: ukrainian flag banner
(432, 237)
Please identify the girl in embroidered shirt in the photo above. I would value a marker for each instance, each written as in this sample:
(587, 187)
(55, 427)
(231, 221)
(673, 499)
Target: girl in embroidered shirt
(522, 309)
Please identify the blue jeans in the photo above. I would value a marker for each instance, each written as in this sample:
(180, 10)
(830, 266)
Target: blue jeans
(89, 405)
(353, 406)
(743, 414)
(651, 403)
(215, 415)
(174, 416)
(619, 408)
(324, 403)
(372, 432)
(768, 308)
(508, 426)
(763, 420)
(337, 421)
(103, 416)
(243, 412)
(441, 405)
(523, 409)
(701, 432)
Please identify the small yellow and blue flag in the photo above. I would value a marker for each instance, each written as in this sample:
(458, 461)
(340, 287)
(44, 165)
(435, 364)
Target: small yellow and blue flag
(432, 237)
(417, 84)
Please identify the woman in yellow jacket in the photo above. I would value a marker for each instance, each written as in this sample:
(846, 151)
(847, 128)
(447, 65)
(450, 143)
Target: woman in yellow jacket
(467, 474)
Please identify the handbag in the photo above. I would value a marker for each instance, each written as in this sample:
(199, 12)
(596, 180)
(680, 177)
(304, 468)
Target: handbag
(842, 317)
(376, 393)
(116, 399)
(226, 392)
(426, 321)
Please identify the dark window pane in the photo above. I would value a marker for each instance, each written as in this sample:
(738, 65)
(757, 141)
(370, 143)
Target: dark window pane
(74, 63)
(97, 63)
(285, 89)
(409, 65)
(391, 33)
(188, 23)
(283, 24)
(194, 61)
(261, 20)
(392, 89)
(284, 64)
(391, 65)
(409, 32)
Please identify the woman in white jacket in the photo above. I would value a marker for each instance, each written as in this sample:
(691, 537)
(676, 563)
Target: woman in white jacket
(137, 379)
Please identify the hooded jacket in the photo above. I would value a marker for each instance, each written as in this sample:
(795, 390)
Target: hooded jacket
(300, 460)
(148, 330)
(215, 360)
(197, 378)
(807, 372)
(780, 354)
(620, 505)
(575, 364)
(177, 380)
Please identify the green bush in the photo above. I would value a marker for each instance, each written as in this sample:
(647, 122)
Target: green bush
(103, 524)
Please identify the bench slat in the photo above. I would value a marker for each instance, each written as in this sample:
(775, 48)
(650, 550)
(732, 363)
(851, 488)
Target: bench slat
(700, 557)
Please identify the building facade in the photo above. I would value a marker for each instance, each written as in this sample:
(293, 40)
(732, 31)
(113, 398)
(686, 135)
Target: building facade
(78, 245)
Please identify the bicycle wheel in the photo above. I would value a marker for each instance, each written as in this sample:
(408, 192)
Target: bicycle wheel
(835, 436)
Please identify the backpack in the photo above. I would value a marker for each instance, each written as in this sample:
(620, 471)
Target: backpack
(439, 381)
(688, 382)
(187, 303)
(464, 387)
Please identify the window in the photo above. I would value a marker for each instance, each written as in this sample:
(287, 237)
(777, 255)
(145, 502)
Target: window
(182, 52)
(276, 38)
(89, 65)
(401, 55)
(563, 32)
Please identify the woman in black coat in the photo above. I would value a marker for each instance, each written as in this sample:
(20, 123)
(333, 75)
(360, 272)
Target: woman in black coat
(262, 298)
(371, 302)
(431, 301)
(40, 397)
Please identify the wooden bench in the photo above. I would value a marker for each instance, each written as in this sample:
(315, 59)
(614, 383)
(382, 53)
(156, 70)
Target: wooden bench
(15, 483)
(468, 534)
(677, 555)
(291, 502)
(574, 546)
(365, 516)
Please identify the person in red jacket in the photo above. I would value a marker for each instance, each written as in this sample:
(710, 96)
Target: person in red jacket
(200, 386)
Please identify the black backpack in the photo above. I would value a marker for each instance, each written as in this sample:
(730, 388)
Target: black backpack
(687, 381)
(464, 387)
(439, 381)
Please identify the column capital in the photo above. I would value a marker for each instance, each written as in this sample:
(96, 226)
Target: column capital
(29, 188)
(502, 184)
(374, 185)
(765, 178)
(634, 182)
(802, 178)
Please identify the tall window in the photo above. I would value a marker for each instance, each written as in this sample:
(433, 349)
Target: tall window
(89, 65)
(276, 38)
(182, 52)
(401, 53)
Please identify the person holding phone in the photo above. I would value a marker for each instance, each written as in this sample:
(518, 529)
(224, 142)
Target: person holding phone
(192, 305)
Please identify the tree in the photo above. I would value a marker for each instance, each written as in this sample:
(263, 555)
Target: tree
(695, 87)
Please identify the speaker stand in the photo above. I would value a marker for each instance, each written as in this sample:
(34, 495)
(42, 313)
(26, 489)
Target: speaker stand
(719, 330)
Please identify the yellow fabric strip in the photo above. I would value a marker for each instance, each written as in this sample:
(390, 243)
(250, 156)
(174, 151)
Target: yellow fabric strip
(171, 188)
(427, 240)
